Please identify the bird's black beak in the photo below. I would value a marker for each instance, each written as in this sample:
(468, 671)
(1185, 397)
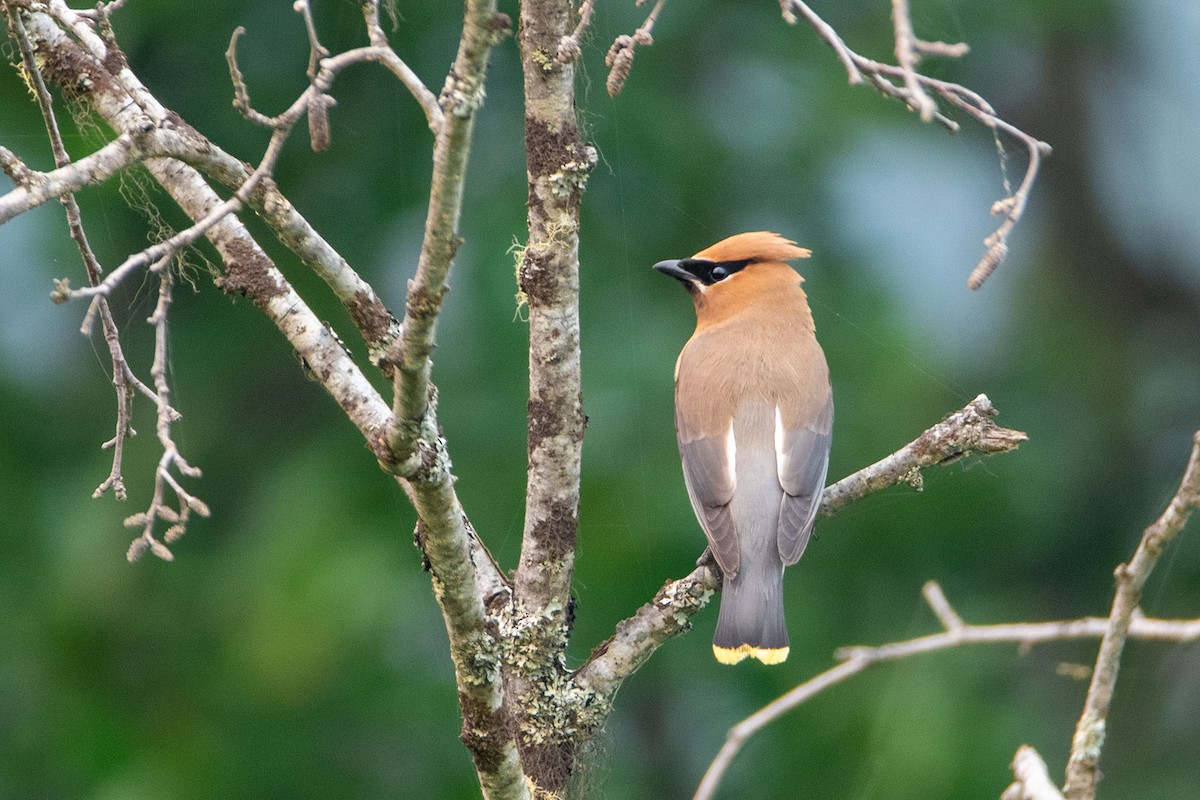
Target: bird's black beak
(677, 272)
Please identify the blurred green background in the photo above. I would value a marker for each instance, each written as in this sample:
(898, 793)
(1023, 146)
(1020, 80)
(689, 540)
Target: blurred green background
(294, 649)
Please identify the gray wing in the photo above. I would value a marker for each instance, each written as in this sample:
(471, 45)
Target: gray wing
(708, 471)
(803, 459)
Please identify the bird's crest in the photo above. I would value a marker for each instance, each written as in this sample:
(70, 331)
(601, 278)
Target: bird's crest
(754, 246)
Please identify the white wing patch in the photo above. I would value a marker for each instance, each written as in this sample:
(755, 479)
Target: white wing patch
(781, 453)
(731, 455)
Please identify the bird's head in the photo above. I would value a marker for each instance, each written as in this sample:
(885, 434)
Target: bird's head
(734, 271)
(729, 257)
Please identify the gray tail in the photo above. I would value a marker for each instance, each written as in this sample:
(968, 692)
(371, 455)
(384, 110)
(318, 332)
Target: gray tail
(751, 620)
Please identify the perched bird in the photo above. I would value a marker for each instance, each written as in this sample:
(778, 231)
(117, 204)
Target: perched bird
(754, 416)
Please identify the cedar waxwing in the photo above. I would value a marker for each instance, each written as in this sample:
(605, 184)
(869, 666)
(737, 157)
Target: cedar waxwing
(754, 415)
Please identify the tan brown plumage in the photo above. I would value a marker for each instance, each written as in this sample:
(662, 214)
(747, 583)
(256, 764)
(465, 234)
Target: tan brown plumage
(753, 416)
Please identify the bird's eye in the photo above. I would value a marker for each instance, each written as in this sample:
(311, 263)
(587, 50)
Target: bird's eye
(718, 273)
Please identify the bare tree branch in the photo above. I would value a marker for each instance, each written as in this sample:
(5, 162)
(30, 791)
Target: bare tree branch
(906, 57)
(125, 383)
(858, 659)
(33, 188)
(241, 93)
(568, 47)
(1032, 780)
(316, 51)
(124, 380)
(619, 58)
(420, 92)
(914, 89)
(101, 10)
(80, 67)
(1124, 622)
(666, 616)
(127, 106)
(376, 323)
(174, 139)
(462, 97)
(166, 135)
(465, 579)
(171, 458)
(968, 430)
(557, 163)
(156, 256)
(1082, 767)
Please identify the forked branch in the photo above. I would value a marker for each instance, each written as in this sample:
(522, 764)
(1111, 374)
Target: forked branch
(903, 82)
(1082, 768)
(125, 382)
(955, 633)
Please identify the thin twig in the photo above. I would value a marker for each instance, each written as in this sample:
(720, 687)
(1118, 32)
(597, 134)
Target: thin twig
(619, 59)
(914, 89)
(740, 733)
(462, 96)
(375, 33)
(241, 94)
(124, 381)
(1082, 767)
(319, 103)
(316, 50)
(847, 56)
(428, 101)
(102, 10)
(1032, 780)
(420, 92)
(941, 49)
(568, 47)
(171, 457)
(945, 612)
(33, 188)
(858, 659)
(906, 57)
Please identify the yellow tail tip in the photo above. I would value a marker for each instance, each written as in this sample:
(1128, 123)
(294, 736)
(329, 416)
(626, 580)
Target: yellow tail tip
(770, 655)
(731, 655)
(767, 655)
